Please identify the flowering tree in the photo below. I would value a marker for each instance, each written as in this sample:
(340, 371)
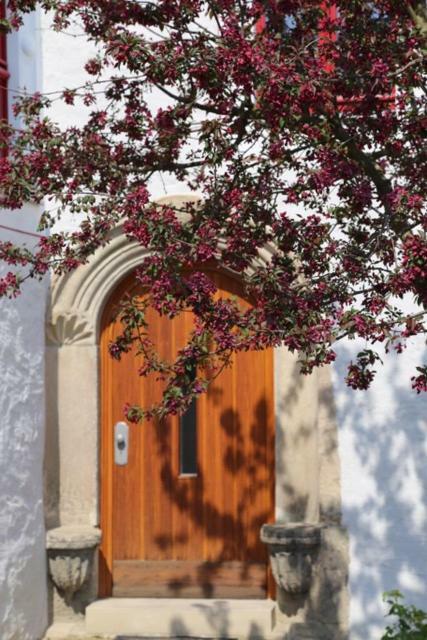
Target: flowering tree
(300, 124)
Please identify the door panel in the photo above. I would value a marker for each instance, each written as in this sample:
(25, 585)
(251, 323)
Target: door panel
(173, 535)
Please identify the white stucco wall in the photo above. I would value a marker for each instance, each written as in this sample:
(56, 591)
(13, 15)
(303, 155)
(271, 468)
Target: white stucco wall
(23, 594)
(23, 604)
(383, 447)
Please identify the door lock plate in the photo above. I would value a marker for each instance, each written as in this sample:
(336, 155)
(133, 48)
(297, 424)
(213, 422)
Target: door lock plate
(121, 443)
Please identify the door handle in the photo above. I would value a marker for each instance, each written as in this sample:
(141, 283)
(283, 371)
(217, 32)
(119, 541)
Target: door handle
(121, 443)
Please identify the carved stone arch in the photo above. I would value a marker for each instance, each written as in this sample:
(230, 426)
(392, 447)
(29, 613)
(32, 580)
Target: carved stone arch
(307, 465)
(77, 299)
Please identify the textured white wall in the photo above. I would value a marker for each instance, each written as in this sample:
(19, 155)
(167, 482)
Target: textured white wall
(383, 447)
(23, 599)
(23, 605)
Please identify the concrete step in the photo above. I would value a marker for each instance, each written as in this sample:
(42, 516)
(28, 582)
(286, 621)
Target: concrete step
(181, 618)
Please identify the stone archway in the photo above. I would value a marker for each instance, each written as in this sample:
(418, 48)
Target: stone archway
(307, 465)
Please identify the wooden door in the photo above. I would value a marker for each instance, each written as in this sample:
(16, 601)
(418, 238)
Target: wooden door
(182, 518)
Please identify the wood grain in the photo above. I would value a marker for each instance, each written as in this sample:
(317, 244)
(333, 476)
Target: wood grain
(189, 579)
(152, 514)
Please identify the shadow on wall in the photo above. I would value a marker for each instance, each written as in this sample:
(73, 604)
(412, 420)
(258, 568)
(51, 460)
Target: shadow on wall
(383, 446)
(294, 502)
(309, 490)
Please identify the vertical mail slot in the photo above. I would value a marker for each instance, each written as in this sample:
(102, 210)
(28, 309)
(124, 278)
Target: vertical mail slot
(121, 443)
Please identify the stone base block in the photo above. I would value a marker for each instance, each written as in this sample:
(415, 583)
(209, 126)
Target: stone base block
(165, 618)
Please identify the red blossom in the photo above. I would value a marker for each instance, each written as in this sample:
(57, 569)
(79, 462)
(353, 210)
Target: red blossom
(304, 137)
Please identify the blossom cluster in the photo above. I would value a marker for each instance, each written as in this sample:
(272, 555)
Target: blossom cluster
(304, 137)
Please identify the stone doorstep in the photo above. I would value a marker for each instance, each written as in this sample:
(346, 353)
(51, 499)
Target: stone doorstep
(73, 631)
(181, 618)
(77, 631)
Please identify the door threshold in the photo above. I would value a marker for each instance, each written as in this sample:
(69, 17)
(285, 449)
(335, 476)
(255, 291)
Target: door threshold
(162, 618)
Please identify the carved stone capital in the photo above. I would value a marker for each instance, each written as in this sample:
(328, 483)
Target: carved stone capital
(70, 553)
(69, 328)
(292, 548)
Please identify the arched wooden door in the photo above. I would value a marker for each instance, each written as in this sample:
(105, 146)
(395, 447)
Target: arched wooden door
(182, 517)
